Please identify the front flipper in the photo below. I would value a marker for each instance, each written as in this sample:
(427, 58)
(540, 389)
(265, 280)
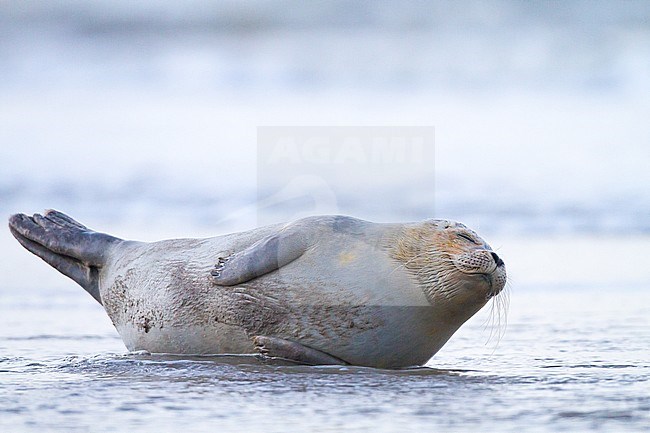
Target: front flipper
(278, 348)
(264, 256)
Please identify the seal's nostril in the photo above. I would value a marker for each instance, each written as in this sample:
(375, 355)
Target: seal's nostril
(497, 259)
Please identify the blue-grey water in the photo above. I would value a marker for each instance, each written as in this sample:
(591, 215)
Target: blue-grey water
(140, 119)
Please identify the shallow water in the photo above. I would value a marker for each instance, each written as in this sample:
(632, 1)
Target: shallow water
(573, 358)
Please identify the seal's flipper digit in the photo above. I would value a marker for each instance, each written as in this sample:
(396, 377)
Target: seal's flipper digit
(63, 220)
(262, 257)
(273, 347)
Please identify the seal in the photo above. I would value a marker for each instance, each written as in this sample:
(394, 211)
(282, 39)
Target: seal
(319, 290)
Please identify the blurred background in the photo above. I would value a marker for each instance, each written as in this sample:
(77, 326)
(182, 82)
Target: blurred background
(140, 118)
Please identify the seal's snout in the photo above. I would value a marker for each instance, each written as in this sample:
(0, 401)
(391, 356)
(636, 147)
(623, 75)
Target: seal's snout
(477, 262)
(497, 259)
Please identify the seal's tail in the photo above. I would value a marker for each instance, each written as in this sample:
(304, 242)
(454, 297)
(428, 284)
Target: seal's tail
(68, 246)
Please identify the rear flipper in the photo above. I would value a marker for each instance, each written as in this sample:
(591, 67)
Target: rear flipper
(68, 246)
(278, 348)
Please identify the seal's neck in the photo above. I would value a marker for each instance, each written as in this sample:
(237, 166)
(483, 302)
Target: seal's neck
(413, 246)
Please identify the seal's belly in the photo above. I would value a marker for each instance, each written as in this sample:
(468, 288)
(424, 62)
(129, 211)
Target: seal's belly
(215, 339)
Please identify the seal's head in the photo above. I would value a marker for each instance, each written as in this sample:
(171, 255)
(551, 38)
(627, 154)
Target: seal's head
(454, 266)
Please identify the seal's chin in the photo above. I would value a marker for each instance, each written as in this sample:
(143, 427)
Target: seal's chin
(496, 281)
(461, 294)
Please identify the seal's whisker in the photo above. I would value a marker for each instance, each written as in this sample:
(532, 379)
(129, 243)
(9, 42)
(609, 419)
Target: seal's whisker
(497, 319)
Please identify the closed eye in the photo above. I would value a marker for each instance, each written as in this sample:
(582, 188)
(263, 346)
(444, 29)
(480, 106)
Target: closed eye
(466, 237)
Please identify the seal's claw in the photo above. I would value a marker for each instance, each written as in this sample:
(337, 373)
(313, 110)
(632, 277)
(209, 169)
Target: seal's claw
(219, 267)
(258, 342)
(221, 261)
